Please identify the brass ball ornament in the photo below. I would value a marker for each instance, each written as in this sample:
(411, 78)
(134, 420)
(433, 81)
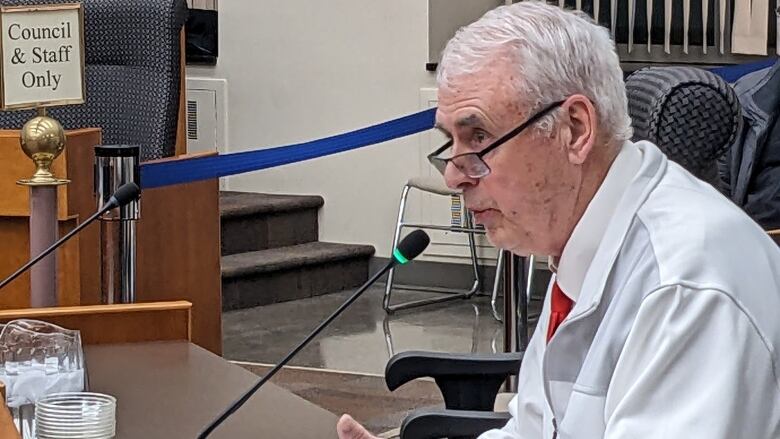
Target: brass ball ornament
(43, 140)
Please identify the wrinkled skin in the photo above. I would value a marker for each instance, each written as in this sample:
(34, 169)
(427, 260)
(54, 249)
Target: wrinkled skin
(539, 185)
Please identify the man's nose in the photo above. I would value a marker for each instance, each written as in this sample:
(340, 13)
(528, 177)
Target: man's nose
(456, 179)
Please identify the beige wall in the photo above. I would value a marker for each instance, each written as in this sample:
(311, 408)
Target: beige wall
(298, 71)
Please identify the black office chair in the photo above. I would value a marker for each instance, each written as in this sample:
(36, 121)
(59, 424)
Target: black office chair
(469, 384)
(133, 69)
(693, 116)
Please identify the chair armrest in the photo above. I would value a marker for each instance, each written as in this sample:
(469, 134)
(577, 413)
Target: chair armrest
(467, 381)
(411, 365)
(461, 424)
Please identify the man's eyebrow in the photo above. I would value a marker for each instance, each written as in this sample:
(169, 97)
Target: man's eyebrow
(471, 120)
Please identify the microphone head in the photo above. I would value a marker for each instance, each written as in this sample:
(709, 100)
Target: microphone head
(126, 193)
(411, 246)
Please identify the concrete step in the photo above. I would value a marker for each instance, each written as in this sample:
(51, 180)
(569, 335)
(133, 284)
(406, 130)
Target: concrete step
(292, 272)
(254, 221)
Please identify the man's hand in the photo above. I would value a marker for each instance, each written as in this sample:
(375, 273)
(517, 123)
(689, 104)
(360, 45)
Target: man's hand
(349, 428)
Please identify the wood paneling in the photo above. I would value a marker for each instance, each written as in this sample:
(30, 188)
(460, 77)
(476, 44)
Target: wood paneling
(15, 165)
(178, 238)
(122, 323)
(15, 252)
(81, 202)
(68, 266)
(179, 254)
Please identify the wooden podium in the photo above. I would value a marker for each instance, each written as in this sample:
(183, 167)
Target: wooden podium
(178, 240)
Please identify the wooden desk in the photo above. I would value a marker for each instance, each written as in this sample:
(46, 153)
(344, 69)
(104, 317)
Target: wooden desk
(178, 239)
(173, 389)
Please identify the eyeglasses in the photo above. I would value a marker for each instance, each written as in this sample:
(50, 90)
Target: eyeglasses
(471, 163)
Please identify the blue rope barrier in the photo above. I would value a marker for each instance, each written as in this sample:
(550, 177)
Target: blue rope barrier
(203, 168)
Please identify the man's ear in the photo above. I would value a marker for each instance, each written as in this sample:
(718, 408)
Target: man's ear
(580, 118)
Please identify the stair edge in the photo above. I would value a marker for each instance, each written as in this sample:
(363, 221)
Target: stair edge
(357, 251)
(302, 202)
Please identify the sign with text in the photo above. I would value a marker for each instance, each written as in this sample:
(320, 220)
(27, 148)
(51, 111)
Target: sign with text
(42, 49)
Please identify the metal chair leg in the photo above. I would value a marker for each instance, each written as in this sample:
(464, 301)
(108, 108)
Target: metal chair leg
(474, 263)
(388, 336)
(530, 287)
(522, 303)
(396, 236)
(448, 293)
(530, 277)
(511, 302)
(497, 285)
(475, 330)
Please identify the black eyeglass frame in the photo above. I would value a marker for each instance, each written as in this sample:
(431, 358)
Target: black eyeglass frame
(440, 163)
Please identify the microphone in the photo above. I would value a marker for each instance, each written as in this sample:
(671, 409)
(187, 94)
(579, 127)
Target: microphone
(126, 193)
(409, 248)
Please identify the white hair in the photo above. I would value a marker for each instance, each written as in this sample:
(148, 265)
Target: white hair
(556, 53)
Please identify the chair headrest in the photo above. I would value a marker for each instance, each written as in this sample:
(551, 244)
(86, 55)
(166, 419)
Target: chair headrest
(689, 113)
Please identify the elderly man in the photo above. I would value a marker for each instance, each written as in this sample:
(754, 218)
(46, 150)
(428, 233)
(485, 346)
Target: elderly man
(661, 319)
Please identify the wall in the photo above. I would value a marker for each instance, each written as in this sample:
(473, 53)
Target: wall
(303, 70)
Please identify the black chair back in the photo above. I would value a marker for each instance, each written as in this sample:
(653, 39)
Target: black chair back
(691, 114)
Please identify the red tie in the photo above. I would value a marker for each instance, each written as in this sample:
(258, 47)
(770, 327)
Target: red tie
(560, 305)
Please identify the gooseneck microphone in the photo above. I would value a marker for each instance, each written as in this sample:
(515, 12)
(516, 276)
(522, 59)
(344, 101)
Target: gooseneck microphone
(409, 248)
(126, 193)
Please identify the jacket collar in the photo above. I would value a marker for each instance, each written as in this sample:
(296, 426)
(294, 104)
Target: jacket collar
(651, 170)
(589, 232)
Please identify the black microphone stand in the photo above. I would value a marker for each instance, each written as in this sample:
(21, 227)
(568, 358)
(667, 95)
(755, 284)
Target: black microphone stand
(248, 394)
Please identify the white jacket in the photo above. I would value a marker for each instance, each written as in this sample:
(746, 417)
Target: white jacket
(675, 330)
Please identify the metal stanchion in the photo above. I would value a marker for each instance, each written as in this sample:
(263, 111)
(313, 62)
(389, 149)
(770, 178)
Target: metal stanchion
(43, 139)
(116, 165)
(43, 233)
(523, 286)
(511, 297)
(516, 321)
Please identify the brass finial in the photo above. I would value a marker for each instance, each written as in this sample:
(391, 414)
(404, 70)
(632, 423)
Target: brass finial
(43, 139)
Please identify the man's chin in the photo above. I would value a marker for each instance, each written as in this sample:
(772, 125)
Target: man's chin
(499, 241)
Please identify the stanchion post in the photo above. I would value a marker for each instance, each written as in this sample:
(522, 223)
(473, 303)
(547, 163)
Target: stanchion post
(42, 140)
(116, 165)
